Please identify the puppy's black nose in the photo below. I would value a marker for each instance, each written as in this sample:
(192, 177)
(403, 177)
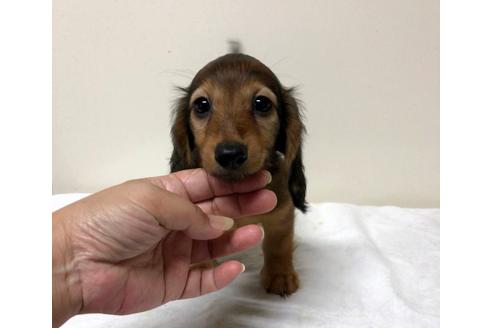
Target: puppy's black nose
(231, 155)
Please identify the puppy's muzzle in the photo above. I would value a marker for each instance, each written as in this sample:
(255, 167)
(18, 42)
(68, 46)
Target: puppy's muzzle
(231, 155)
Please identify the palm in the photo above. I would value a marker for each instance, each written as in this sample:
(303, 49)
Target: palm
(142, 282)
(137, 268)
(129, 262)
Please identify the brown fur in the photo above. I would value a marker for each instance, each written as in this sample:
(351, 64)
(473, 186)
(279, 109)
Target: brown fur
(273, 140)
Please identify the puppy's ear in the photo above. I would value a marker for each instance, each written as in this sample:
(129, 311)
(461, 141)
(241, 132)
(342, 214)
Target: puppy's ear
(289, 142)
(182, 157)
(297, 183)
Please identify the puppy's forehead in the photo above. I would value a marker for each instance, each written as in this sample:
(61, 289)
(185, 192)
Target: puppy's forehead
(233, 71)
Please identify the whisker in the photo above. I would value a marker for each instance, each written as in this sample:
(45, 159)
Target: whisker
(279, 61)
(189, 74)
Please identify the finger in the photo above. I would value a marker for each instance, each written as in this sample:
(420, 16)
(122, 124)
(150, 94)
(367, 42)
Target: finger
(253, 203)
(177, 213)
(231, 242)
(176, 254)
(198, 185)
(202, 281)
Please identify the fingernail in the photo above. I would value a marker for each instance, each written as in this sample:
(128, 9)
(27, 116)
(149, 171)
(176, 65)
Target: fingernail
(244, 268)
(220, 222)
(262, 232)
(269, 177)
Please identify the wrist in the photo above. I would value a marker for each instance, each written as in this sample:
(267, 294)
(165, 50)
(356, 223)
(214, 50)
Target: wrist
(66, 287)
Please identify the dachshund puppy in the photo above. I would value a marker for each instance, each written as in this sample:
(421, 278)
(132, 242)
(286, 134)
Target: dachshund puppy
(233, 120)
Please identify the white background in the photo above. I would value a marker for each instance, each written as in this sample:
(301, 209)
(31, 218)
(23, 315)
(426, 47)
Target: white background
(367, 73)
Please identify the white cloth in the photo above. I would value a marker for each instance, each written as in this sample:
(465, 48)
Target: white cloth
(359, 266)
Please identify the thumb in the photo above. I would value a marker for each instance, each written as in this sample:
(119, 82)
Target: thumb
(177, 213)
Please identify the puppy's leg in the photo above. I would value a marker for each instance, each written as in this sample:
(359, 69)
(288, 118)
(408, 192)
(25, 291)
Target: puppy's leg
(278, 275)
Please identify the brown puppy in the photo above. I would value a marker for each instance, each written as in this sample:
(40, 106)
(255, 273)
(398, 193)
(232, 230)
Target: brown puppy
(236, 119)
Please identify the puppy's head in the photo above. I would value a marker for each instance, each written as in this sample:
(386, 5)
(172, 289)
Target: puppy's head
(234, 119)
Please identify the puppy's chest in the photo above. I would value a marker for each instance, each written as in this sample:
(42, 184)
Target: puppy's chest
(284, 208)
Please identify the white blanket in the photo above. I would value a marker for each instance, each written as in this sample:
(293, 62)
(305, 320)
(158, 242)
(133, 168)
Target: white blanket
(359, 266)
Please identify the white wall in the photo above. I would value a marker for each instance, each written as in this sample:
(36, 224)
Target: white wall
(367, 71)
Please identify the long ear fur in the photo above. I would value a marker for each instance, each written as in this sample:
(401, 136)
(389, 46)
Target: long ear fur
(182, 157)
(289, 143)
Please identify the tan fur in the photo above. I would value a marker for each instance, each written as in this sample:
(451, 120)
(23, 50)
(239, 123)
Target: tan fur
(230, 83)
(232, 121)
(278, 275)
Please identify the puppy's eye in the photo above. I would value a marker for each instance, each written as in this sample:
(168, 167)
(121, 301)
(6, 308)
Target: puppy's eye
(262, 104)
(201, 106)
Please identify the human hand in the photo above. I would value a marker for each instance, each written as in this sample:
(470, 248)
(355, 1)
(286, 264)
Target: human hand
(131, 247)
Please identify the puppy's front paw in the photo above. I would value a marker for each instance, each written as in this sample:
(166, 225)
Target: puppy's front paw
(282, 284)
